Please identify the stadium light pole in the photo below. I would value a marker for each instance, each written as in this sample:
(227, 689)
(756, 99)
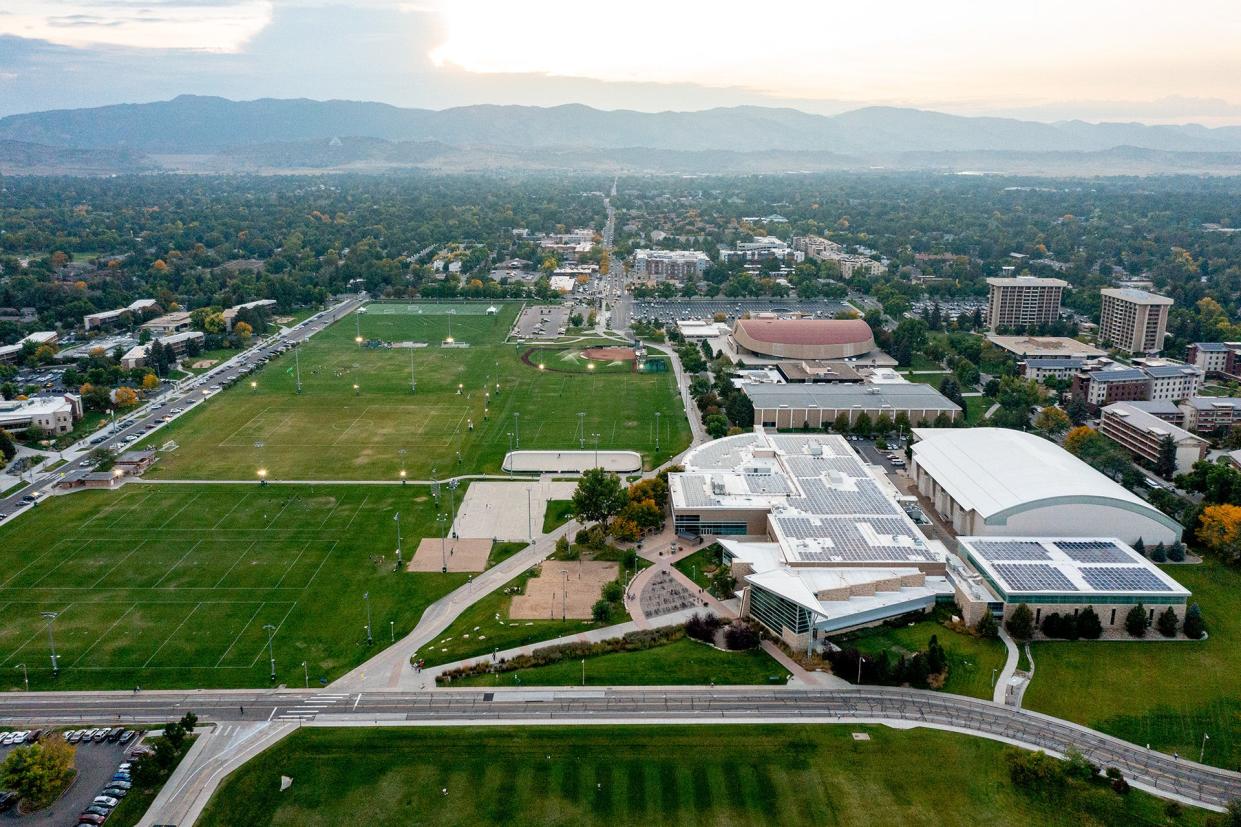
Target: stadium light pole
(596, 436)
(517, 428)
(443, 521)
(366, 598)
(50, 617)
(398, 537)
(271, 652)
(297, 367)
(392, 630)
(25, 674)
(413, 380)
(564, 595)
(657, 416)
(452, 505)
(581, 430)
(306, 673)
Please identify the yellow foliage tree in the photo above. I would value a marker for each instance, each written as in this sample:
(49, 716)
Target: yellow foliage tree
(159, 265)
(1219, 529)
(1077, 438)
(243, 330)
(125, 397)
(150, 382)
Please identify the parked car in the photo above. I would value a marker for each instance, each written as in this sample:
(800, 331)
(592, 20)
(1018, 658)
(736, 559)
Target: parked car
(7, 800)
(91, 818)
(127, 736)
(115, 734)
(96, 810)
(105, 801)
(121, 785)
(115, 792)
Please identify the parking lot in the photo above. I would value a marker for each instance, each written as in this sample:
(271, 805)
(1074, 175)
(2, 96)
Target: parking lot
(542, 321)
(669, 310)
(96, 762)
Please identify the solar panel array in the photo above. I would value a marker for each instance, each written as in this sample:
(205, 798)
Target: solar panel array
(1034, 577)
(767, 484)
(807, 466)
(724, 453)
(821, 498)
(1094, 551)
(1123, 579)
(1010, 550)
(799, 528)
(695, 490)
(845, 541)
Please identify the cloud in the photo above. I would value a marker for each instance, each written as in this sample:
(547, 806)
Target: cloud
(197, 25)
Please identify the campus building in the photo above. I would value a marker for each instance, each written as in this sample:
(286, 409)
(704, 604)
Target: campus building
(53, 414)
(761, 249)
(230, 315)
(1023, 301)
(1046, 347)
(1216, 359)
(168, 324)
(1211, 414)
(1133, 320)
(1142, 433)
(11, 353)
(1140, 383)
(136, 357)
(813, 339)
(677, 265)
(996, 481)
(816, 406)
(1066, 575)
(105, 317)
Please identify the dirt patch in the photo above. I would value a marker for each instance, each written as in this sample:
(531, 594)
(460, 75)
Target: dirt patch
(609, 354)
(203, 364)
(547, 597)
(464, 554)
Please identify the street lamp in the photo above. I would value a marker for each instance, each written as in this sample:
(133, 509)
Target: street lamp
(306, 673)
(355, 388)
(452, 502)
(564, 594)
(443, 521)
(366, 598)
(271, 653)
(50, 617)
(657, 416)
(398, 534)
(517, 428)
(262, 472)
(596, 437)
(25, 674)
(542, 366)
(392, 630)
(254, 386)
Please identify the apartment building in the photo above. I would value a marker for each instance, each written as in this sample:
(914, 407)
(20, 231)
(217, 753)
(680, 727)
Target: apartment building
(1211, 414)
(1142, 433)
(1022, 301)
(1163, 382)
(669, 264)
(761, 249)
(1216, 359)
(1134, 321)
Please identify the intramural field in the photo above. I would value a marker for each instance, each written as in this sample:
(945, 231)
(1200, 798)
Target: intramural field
(174, 585)
(360, 417)
(616, 776)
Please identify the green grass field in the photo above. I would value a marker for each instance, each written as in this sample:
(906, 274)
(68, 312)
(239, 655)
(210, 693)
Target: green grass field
(1162, 693)
(331, 431)
(970, 659)
(684, 662)
(171, 585)
(558, 513)
(617, 776)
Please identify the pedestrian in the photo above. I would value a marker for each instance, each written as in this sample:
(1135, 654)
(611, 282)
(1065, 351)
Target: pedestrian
(242, 709)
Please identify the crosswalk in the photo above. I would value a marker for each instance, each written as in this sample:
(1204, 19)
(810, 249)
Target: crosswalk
(313, 706)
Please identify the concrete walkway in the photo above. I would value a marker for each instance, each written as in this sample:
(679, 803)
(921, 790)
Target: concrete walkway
(1001, 692)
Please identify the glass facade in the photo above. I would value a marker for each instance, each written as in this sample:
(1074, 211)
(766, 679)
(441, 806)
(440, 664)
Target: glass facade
(694, 524)
(776, 613)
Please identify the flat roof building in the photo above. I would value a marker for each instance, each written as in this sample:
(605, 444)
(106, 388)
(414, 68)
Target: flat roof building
(1045, 347)
(11, 353)
(817, 405)
(168, 324)
(669, 264)
(94, 320)
(53, 414)
(1142, 433)
(1211, 414)
(1216, 358)
(1023, 301)
(1132, 320)
(996, 481)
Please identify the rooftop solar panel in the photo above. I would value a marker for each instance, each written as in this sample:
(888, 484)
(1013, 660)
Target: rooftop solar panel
(996, 550)
(1123, 579)
(1094, 551)
(1034, 577)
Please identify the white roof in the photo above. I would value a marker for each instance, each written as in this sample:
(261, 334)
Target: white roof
(990, 470)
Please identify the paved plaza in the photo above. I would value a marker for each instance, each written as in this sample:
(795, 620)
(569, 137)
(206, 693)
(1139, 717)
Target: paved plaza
(508, 510)
(468, 555)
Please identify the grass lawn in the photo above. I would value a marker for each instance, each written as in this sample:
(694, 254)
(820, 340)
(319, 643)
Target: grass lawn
(975, 407)
(558, 513)
(970, 659)
(332, 432)
(214, 356)
(682, 662)
(13, 489)
(501, 551)
(1162, 693)
(171, 586)
(569, 358)
(686, 775)
(485, 626)
(695, 565)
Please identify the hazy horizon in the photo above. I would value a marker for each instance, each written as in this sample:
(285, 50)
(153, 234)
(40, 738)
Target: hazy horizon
(1103, 61)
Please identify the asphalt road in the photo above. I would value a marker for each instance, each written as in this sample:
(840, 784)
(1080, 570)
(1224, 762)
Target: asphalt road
(1150, 769)
(184, 395)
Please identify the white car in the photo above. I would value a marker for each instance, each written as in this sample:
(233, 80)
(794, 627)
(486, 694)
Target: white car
(105, 801)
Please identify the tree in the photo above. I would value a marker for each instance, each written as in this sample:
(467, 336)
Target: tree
(862, 425)
(625, 530)
(740, 635)
(1194, 627)
(601, 611)
(1167, 622)
(740, 410)
(598, 496)
(1015, 397)
(1078, 411)
(1052, 420)
(562, 547)
(716, 425)
(1176, 552)
(1160, 554)
(124, 397)
(723, 583)
(702, 626)
(613, 591)
(40, 772)
(1137, 621)
(1089, 626)
(1165, 462)
(150, 382)
(1219, 529)
(1020, 623)
(986, 627)
(243, 331)
(841, 423)
(8, 449)
(949, 387)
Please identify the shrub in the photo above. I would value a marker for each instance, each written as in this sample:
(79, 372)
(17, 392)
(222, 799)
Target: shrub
(1078, 767)
(1089, 625)
(1194, 627)
(1176, 552)
(1036, 771)
(987, 628)
(740, 635)
(1160, 554)
(1021, 623)
(1166, 623)
(703, 626)
(613, 591)
(1053, 625)
(1136, 621)
(601, 611)
(1119, 784)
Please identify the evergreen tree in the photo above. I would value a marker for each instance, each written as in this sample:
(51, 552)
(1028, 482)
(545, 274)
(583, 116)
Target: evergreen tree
(1165, 463)
(1160, 554)
(1194, 627)
(1089, 626)
(986, 627)
(1167, 623)
(1176, 552)
(1140, 547)
(1021, 623)
(1136, 621)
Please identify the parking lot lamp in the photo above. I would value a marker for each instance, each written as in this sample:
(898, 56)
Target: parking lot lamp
(25, 674)
(271, 653)
(50, 617)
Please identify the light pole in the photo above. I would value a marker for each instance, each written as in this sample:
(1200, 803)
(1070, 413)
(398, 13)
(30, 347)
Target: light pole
(271, 653)
(262, 476)
(517, 428)
(413, 381)
(657, 415)
(596, 436)
(366, 598)
(581, 430)
(860, 661)
(50, 617)
(1202, 753)
(452, 505)
(398, 537)
(297, 367)
(443, 521)
(993, 670)
(306, 673)
(392, 630)
(25, 674)
(529, 517)
(401, 453)
(564, 595)
(583, 671)
(355, 389)
(254, 386)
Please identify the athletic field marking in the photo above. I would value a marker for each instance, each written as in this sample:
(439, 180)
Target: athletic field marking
(146, 496)
(105, 633)
(321, 562)
(231, 510)
(85, 544)
(240, 557)
(197, 606)
(51, 549)
(289, 567)
(179, 510)
(359, 511)
(118, 563)
(239, 634)
(41, 630)
(273, 634)
(155, 585)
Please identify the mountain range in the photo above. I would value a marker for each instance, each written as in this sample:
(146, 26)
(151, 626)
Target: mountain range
(270, 134)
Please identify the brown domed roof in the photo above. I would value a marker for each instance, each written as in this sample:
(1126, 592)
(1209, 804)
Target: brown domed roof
(806, 331)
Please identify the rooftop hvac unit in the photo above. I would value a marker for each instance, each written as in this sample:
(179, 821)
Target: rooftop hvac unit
(717, 487)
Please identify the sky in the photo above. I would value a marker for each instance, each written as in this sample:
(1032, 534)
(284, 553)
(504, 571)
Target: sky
(1096, 60)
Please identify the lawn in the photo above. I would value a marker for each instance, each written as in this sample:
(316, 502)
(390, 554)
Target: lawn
(970, 659)
(467, 403)
(683, 661)
(215, 356)
(975, 407)
(558, 513)
(485, 627)
(172, 586)
(501, 551)
(1162, 693)
(684, 775)
(695, 566)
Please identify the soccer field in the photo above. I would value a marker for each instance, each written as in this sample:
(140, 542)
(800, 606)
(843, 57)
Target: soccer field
(173, 585)
(684, 775)
(359, 408)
